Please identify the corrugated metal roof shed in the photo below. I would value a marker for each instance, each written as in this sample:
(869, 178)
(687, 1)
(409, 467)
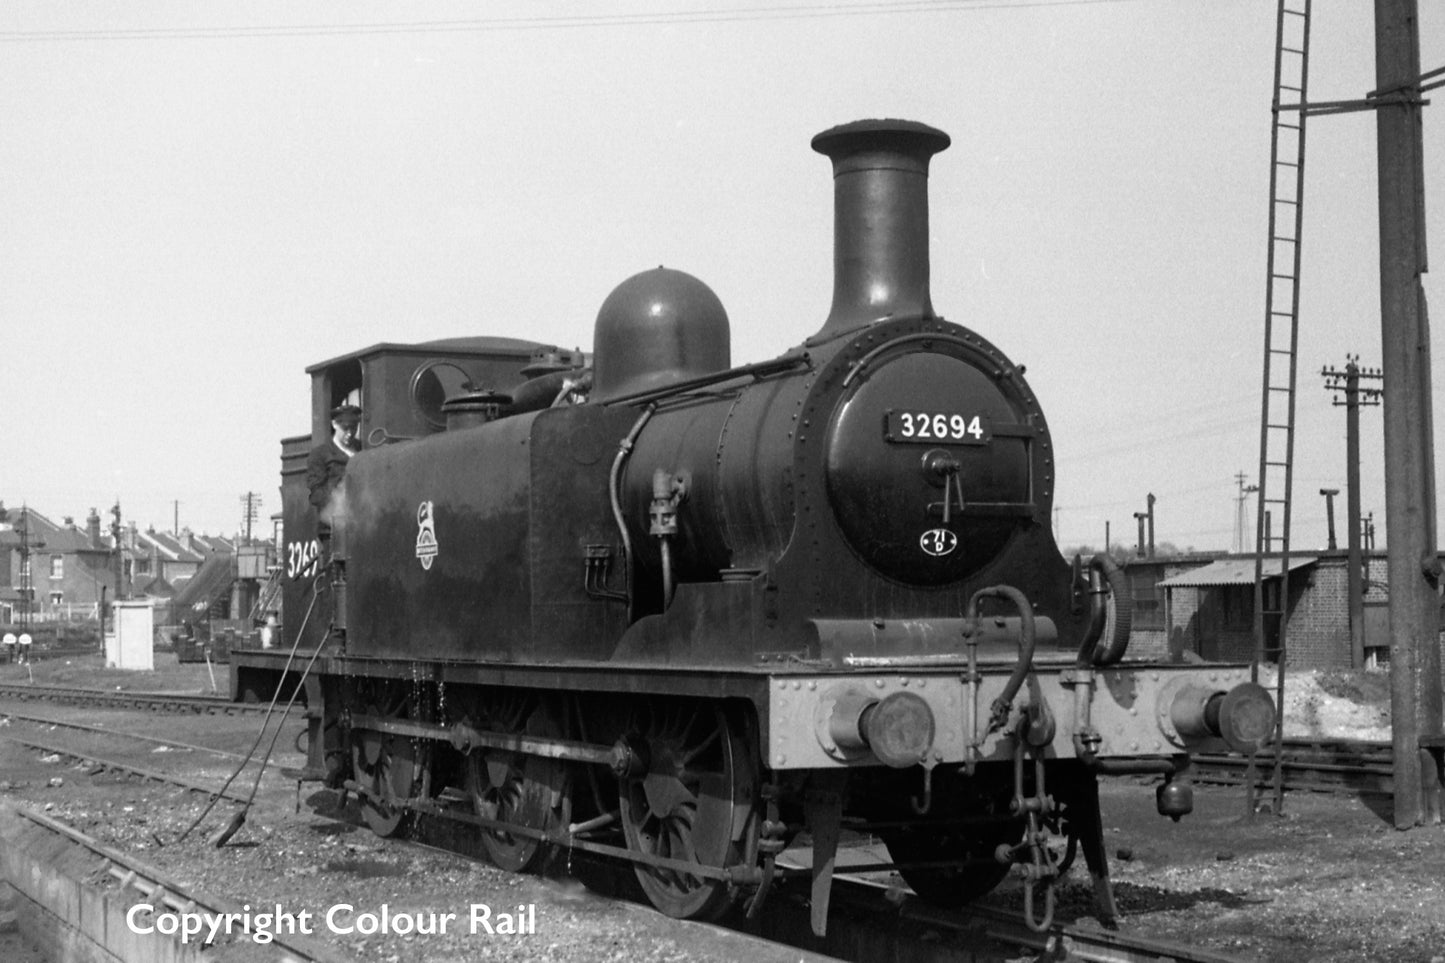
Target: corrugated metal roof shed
(1233, 571)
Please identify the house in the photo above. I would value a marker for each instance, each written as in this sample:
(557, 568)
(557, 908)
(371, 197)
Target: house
(50, 570)
(170, 558)
(1205, 604)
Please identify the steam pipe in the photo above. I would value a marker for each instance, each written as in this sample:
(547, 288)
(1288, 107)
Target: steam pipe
(624, 448)
(998, 709)
(1103, 572)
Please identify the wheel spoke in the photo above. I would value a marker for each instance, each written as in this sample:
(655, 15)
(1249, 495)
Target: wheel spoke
(701, 747)
(517, 789)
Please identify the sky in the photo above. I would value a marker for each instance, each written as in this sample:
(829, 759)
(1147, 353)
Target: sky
(197, 201)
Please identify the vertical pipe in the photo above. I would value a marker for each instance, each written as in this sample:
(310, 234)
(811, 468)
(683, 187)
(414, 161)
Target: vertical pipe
(1330, 494)
(1151, 524)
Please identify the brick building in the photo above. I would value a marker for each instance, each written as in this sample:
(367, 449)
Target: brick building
(63, 571)
(66, 570)
(1204, 604)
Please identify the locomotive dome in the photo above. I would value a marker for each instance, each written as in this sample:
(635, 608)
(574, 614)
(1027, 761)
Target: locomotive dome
(655, 329)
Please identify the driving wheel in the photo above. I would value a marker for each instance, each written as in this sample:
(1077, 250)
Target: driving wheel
(692, 806)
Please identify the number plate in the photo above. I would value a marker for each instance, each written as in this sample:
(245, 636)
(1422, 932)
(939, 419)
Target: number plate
(936, 428)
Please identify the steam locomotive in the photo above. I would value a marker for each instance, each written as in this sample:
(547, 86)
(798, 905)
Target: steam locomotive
(651, 605)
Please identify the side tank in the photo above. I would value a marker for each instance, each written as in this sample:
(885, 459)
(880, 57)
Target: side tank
(474, 543)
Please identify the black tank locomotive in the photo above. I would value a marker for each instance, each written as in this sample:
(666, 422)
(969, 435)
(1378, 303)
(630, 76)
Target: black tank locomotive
(672, 610)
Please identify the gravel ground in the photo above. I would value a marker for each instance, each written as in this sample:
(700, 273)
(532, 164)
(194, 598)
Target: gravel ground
(1328, 880)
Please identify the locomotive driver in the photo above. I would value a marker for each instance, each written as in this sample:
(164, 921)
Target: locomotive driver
(327, 464)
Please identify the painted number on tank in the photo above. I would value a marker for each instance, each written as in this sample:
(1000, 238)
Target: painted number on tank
(933, 427)
(302, 558)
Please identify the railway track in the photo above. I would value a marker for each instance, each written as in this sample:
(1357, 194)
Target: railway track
(869, 920)
(108, 731)
(1320, 765)
(102, 763)
(171, 702)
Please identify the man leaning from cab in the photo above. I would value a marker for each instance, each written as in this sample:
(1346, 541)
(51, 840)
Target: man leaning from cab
(327, 462)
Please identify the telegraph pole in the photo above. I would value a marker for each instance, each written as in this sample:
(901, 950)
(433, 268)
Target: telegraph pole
(252, 501)
(1411, 545)
(1241, 525)
(27, 576)
(120, 591)
(1348, 381)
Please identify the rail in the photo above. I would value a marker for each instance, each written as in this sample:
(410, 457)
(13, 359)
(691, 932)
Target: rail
(1320, 765)
(177, 702)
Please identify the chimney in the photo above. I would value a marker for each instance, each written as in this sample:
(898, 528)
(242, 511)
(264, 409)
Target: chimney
(880, 220)
(92, 528)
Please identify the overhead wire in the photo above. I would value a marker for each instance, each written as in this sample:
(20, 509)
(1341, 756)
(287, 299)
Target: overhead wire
(576, 21)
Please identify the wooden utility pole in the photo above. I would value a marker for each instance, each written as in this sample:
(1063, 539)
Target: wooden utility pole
(1348, 381)
(1241, 519)
(252, 503)
(1410, 531)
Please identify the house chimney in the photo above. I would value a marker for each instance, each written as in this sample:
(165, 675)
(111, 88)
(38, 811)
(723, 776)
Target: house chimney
(92, 528)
